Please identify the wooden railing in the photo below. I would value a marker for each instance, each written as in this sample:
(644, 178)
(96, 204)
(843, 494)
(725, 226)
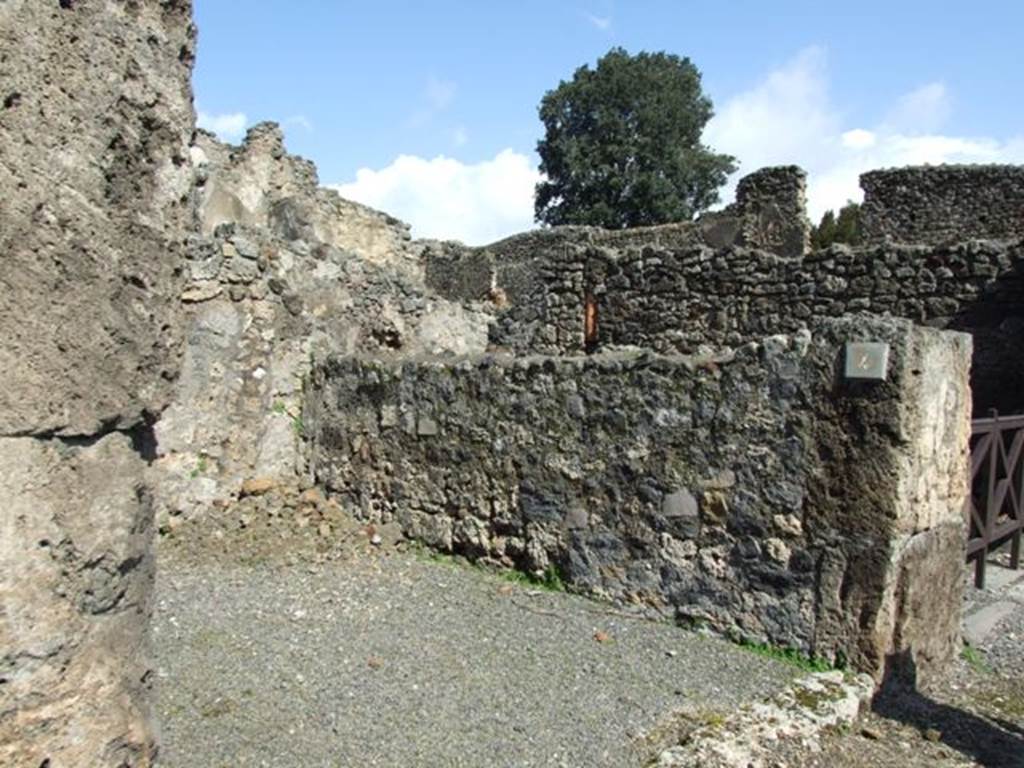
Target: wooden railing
(995, 509)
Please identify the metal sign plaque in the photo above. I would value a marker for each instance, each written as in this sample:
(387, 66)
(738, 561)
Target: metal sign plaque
(867, 360)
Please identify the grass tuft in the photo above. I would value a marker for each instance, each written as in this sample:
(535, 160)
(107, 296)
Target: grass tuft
(200, 467)
(976, 659)
(550, 580)
(790, 656)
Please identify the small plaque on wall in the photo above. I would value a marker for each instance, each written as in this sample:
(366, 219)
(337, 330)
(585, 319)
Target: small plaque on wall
(867, 360)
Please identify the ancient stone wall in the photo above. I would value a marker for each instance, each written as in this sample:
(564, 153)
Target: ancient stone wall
(755, 491)
(95, 123)
(264, 296)
(747, 485)
(769, 213)
(259, 184)
(943, 204)
(152, 273)
(742, 273)
(681, 300)
(683, 287)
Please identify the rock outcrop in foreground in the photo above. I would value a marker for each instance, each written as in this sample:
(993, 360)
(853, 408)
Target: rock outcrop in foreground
(95, 127)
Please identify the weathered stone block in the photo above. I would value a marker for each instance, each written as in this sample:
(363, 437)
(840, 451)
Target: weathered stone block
(96, 204)
(75, 533)
(94, 220)
(772, 206)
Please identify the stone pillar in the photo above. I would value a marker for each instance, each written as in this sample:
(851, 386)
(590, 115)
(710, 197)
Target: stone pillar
(918, 626)
(772, 203)
(888, 506)
(95, 124)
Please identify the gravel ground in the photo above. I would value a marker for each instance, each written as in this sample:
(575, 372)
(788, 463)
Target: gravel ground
(381, 658)
(1003, 650)
(288, 640)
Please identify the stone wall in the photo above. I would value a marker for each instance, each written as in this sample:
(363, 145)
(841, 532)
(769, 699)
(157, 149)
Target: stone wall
(260, 185)
(753, 491)
(95, 123)
(264, 296)
(769, 213)
(682, 287)
(943, 204)
(681, 300)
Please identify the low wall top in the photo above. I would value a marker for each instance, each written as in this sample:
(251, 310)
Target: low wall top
(944, 203)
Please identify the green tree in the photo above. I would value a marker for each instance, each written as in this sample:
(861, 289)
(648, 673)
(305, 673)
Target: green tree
(622, 144)
(823, 235)
(848, 224)
(844, 228)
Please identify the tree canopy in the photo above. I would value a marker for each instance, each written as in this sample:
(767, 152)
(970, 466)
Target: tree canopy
(622, 146)
(842, 229)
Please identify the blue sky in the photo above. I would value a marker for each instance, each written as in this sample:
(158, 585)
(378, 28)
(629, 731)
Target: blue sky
(428, 110)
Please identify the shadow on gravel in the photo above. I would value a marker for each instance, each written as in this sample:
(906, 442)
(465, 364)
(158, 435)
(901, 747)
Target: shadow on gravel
(992, 743)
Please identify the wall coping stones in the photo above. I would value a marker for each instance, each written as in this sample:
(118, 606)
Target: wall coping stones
(937, 204)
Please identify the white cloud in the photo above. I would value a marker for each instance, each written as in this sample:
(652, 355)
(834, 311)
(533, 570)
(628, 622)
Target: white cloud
(789, 118)
(448, 199)
(923, 110)
(858, 138)
(301, 121)
(604, 23)
(785, 116)
(460, 137)
(229, 127)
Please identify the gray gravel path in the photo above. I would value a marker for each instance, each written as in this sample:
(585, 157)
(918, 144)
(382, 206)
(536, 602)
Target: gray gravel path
(393, 660)
(1002, 601)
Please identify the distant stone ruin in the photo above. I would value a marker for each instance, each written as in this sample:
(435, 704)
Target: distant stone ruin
(281, 272)
(682, 287)
(662, 416)
(670, 416)
(940, 205)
